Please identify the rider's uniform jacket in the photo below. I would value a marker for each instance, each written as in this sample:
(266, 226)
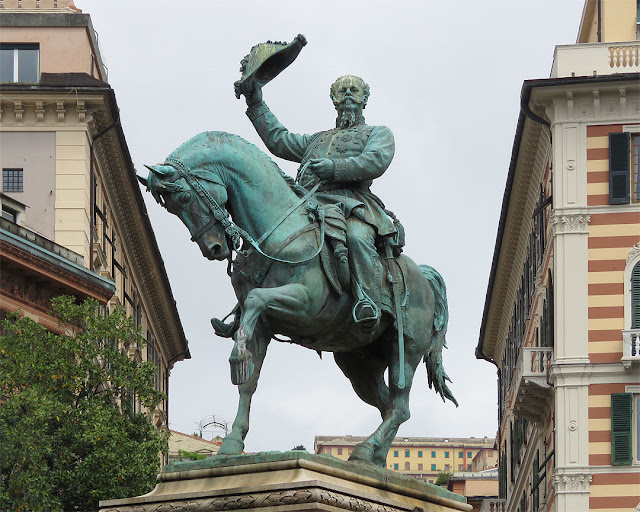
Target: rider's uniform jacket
(360, 154)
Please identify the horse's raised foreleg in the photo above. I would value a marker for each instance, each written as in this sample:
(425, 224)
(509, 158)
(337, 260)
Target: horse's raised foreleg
(233, 443)
(279, 302)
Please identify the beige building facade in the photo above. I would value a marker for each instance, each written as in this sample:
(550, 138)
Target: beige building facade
(68, 180)
(422, 457)
(562, 315)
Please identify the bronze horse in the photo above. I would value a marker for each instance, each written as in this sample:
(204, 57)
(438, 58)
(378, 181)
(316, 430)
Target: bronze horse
(283, 289)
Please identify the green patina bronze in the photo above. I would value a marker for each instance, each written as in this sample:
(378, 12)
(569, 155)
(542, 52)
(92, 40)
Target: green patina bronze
(317, 260)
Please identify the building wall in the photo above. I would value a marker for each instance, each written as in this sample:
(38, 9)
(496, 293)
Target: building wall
(78, 187)
(62, 49)
(35, 154)
(618, 21)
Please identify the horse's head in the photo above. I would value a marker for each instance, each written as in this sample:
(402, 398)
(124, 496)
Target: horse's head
(184, 192)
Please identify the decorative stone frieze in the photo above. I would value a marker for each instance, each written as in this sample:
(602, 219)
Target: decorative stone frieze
(633, 253)
(564, 223)
(269, 499)
(572, 483)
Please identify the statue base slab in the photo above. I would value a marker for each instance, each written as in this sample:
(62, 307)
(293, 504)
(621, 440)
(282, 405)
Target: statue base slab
(294, 481)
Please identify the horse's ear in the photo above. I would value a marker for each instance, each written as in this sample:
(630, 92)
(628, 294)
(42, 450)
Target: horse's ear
(143, 180)
(160, 170)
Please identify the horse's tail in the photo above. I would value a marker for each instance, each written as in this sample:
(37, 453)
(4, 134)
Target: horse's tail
(433, 357)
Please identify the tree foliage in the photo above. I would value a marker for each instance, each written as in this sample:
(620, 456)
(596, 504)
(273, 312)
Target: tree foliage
(69, 435)
(443, 478)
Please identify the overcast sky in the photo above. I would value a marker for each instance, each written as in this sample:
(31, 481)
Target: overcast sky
(445, 76)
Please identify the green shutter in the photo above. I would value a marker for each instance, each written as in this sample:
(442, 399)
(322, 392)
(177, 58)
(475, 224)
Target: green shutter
(621, 404)
(635, 297)
(619, 167)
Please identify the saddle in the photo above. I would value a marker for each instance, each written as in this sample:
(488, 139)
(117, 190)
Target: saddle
(334, 258)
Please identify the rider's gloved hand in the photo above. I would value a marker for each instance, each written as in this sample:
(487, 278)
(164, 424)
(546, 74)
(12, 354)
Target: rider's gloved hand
(323, 168)
(255, 96)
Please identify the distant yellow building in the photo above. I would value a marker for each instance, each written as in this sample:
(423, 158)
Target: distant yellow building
(180, 443)
(421, 457)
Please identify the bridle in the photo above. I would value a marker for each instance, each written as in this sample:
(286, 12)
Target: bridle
(235, 232)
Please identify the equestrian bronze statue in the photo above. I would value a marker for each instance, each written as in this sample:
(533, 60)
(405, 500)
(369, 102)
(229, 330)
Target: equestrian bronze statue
(318, 259)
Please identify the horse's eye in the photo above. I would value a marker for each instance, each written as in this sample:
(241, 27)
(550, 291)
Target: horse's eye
(185, 197)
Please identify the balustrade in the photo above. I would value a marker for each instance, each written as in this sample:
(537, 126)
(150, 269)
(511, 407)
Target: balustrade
(630, 347)
(493, 505)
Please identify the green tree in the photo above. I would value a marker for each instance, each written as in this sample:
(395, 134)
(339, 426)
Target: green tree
(69, 436)
(443, 478)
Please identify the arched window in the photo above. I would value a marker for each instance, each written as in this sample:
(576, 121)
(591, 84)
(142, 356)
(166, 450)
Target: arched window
(407, 466)
(635, 297)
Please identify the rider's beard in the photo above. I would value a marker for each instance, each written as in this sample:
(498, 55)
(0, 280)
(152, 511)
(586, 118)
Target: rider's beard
(348, 113)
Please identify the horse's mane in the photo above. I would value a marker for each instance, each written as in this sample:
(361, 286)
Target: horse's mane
(226, 141)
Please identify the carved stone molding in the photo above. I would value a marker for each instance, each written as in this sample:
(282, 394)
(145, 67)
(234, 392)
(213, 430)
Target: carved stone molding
(258, 500)
(633, 252)
(569, 223)
(572, 483)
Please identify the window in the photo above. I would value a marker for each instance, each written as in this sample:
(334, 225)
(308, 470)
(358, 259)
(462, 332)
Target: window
(154, 357)
(468, 467)
(407, 466)
(407, 453)
(19, 63)
(395, 453)
(430, 481)
(420, 467)
(625, 427)
(446, 455)
(469, 455)
(9, 214)
(624, 168)
(460, 467)
(419, 454)
(327, 450)
(12, 180)
(395, 466)
(447, 467)
(461, 455)
(433, 467)
(433, 454)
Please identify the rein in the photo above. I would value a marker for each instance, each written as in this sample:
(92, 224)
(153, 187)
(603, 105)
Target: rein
(234, 231)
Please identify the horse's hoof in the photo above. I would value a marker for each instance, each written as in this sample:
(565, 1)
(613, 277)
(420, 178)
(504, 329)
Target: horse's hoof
(362, 453)
(231, 446)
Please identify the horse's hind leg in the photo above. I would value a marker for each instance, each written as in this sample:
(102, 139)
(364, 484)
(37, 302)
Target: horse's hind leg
(396, 406)
(366, 372)
(233, 443)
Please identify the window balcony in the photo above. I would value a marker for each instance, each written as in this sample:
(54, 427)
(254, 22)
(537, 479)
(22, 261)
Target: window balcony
(531, 382)
(493, 505)
(630, 348)
(596, 59)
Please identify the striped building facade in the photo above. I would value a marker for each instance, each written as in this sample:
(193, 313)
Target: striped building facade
(562, 314)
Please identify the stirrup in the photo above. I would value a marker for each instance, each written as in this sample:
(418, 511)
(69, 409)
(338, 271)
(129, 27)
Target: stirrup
(365, 311)
(227, 330)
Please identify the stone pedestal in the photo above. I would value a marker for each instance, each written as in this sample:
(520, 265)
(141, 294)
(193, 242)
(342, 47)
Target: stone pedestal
(286, 482)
